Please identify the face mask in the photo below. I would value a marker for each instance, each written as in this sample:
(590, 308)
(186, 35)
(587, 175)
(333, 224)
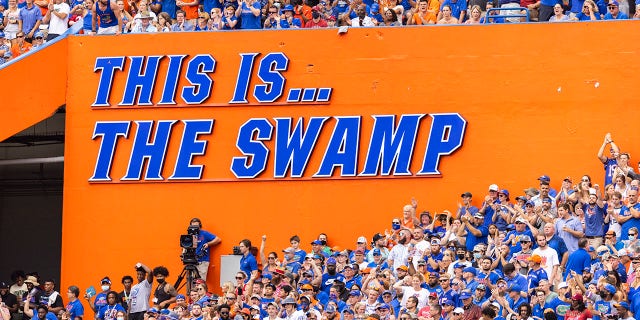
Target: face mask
(394, 226)
(460, 256)
(477, 255)
(402, 241)
(120, 318)
(160, 281)
(602, 294)
(316, 15)
(632, 238)
(322, 242)
(104, 288)
(333, 296)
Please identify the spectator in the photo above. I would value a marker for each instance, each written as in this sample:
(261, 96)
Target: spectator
(164, 22)
(83, 11)
(215, 19)
(108, 312)
(272, 20)
(74, 307)
(229, 20)
(123, 296)
(165, 293)
(41, 312)
(140, 292)
(143, 11)
(30, 18)
(568, 227)
(424, 14)
(144, 25)
(474, 18)
(5, 50)
(58, 18)
(190, 8)
(458, 10)
(627, 216)
(9, 299)
(108, 12)
(316, 20)
(182, 24)
(490, 13)
(594, 213)
(302, 10)
(362, 20)
(548, 257)
(12, 22)
(610, 164)
(249, 13)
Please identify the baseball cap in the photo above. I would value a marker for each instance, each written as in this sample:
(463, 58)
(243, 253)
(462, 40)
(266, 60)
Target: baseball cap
(622, 304)
(478, 215)
(471, 270)
(288, 8)
(105, 280)
(521, 220)
(314, 242)
(331, 261)
(614, 3)
(466, 194)
(4, 285)
(465, 295)
(577, 297)
(289, 250)
(544, 178)
(562, 285)
(494, 187)
(330, 308)
(384, 306)
(458, 310)
(535, 258)
(377, 237)
(505, 192)
(376, 252)
(362, 239)
(525, 238)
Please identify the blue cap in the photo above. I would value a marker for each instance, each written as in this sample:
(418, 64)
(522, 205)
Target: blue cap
(375, 7)
(38, 34)
(384, 306)
(623, 304)
(459, 266)
(376, 252)
(267, 276)
(505, 192)
(515, 288)
(318, 242)
(181, 296)
(1, 34)
(470, 269)
(331, 261)
(354, 293)
(544, 178)
(290, 8)
(531, 203)
(546, 199)
(152, 310)
(166, 311)
(330, 308)
(609, 287)
(465, 295)
(449, 302)
(347, 310)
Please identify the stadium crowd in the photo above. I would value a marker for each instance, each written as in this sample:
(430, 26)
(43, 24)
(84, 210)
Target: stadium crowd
(571, 253)
(26, 24)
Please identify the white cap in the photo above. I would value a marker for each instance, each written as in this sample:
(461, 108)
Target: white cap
(493, 187)
(592, 191)
(458, 310)
(562, 285)
(362, 239)
(495, 304)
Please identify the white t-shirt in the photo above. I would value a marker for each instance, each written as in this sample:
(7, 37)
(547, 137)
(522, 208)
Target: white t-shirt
(549, 258)
(139, 298)
(422, 295)
(57, 25)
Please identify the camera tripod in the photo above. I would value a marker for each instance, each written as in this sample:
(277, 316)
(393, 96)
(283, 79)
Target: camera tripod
(191, 272)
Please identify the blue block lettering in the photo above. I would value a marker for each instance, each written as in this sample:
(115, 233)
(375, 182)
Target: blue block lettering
(244, 77)
(342, 150)
(197, 70)
(108, 67)
(446, 136)
(153, 152)
(255, 152)
(189, 147)
(309, 94)
(171, 81)
(324, 94)
(294, 95)
(110, 132)
(390, 146)
(293, 149)
(141, 77)
(269, 74)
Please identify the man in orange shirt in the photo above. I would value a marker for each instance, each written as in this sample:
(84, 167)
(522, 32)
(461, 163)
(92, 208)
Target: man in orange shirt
(20, 46)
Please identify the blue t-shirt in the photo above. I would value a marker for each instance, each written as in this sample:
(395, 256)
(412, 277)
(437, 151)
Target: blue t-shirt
(605, 307)
(100, 301)
(49, 316)
(534, 277)
(517, 235)
(633, 222)
(75, 309)
(109, 312)
(456, 9)
(593, 220)
(611, 164)
(472, 240)
(578, 261)
(248, 264)
(247, 19)
(327, 281)
(204, 237)
(169, 6)
(609, 16)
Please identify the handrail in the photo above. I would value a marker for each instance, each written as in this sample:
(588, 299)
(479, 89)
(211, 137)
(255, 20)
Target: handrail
(519, 15)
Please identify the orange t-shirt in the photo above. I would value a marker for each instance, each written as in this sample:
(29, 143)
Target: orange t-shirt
(191, 12)
(18, 50)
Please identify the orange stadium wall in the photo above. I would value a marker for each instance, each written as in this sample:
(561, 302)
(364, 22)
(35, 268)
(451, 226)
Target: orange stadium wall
(492, 104)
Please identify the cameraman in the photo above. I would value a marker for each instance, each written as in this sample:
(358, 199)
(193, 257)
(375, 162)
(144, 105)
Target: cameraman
(206, 239)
